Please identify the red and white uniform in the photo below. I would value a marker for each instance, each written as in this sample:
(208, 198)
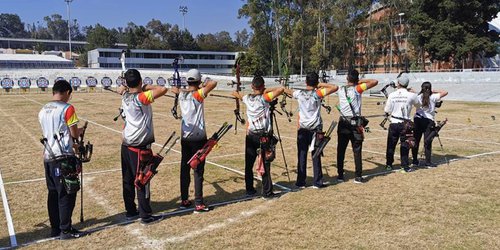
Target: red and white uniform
(310, 108)
(258, 117)
(138, 129)
(193, 115)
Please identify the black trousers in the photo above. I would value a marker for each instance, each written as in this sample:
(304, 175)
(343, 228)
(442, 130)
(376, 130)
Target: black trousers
(304, 139)
(346, 132)
(395, 134)
(423, 126)
(130, 161)
(252, 144)
(60, 204)
(189, 148)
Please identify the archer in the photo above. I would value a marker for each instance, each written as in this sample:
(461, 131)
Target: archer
(260, 141)
(194, 136)
(310, 126)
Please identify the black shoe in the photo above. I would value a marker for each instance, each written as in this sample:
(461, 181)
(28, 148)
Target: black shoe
(270, 196)
(55, 232)
(389, 168)
(415, 164)
(71, 234)
(251, 193)
(132, 216)
(151, 220)
(430, 165)
(322, 185)
(299, 187)
(359, 180)
(185, 204)
(340, 179)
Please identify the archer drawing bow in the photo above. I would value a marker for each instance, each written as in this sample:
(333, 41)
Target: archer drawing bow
(201, 154)
(176, 82)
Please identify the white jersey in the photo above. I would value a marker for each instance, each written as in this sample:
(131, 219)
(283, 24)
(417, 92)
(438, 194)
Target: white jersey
(430, 111)
(55, 119)
(138, 130)
(310, 108)
(399, 105)
(193, 115)
(258, 115)
(353, 97)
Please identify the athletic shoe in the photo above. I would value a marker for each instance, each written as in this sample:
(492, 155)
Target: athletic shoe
(300, 187)
(415, 164)
(388, 168)
(270, 196)
(71, 234)
(185, 204)
(131, 217)
(406, 170)
(151, 219)
(340, 179)
(430, 165)
(359, 180)
(320, 186)
(202, 208)
(55, 232)
(251, 193)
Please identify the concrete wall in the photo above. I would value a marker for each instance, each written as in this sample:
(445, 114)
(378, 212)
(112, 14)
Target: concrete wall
(463, 86)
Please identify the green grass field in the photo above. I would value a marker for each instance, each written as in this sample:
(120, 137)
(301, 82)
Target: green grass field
(456, 205)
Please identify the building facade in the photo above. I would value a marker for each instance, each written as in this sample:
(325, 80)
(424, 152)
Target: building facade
(205, 61)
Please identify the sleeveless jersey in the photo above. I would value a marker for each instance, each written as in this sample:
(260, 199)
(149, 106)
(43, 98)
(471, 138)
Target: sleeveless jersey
(310, 108)
(193, 115)
(258, 115)
(55, 118)
(138, 129)
(353, 96)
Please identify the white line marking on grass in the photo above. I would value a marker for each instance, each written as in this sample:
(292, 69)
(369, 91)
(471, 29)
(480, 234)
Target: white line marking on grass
(209, 228)
(8, 216)
(112, 170)
(121, 223)
(451, 160)
(177, 151)
(476, 141)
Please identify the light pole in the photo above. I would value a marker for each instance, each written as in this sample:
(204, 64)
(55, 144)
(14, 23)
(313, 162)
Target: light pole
(69, 29)
(183, 10)
(400, 35)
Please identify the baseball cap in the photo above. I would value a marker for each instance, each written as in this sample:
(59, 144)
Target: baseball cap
(403, 81)
(193, 75)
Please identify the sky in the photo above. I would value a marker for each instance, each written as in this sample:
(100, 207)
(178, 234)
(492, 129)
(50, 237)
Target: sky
(204, 16)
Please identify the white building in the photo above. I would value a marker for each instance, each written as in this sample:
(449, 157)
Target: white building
(29, 61)
(205, 61)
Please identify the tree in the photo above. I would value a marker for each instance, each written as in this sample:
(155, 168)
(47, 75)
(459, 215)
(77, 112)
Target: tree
(99, 37)
(220, 41)
(242, 39)
(11, 26)
(454, 31)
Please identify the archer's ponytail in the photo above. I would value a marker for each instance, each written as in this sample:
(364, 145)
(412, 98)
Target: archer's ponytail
(426, 93)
